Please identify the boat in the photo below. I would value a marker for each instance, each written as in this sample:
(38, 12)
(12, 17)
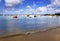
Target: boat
(14, 16)
(27, 15)
(35, 16)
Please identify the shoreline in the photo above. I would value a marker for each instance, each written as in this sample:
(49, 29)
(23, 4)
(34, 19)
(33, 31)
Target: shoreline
(29, 33)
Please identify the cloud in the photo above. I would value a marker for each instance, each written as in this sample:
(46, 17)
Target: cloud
(55, 5)
(57, 11)
(39, 10)
(50, 8)
(56, 2)
(42, 9)
(11, 11)
(29, 10)
(10, 3)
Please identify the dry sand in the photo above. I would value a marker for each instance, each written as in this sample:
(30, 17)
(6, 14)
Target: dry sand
(48, 35)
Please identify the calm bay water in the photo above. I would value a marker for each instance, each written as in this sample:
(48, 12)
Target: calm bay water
(9, 25)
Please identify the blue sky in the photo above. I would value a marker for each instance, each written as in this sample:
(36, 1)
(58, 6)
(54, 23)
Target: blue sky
(29, 6)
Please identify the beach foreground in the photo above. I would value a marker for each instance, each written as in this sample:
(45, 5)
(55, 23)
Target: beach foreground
(48, 35)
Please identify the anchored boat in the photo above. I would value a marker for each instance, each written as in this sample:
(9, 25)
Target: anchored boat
(14, 16)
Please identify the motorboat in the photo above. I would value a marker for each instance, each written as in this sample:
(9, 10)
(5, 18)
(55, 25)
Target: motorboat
(14, 16)
(35, 16)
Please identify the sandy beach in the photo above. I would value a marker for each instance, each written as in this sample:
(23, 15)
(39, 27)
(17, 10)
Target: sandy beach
(48, 35)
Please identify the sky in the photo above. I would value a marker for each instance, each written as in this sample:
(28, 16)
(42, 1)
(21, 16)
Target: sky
(29, 6)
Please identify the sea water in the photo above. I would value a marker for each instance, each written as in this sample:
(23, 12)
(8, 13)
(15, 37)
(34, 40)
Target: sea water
(10, 25)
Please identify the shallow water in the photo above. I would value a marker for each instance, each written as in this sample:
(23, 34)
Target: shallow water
(9, 25)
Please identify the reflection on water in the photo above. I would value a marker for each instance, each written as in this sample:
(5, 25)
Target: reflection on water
(8, 25)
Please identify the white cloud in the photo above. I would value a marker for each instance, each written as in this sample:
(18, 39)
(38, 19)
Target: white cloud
(42, 9)
(29, 10)
(39, 10)
(50, 8)
(57, 11)
(12, 2)
(56, 2)
(45, 9)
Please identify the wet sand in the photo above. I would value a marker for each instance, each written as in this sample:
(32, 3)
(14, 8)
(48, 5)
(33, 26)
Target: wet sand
(48, 35)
